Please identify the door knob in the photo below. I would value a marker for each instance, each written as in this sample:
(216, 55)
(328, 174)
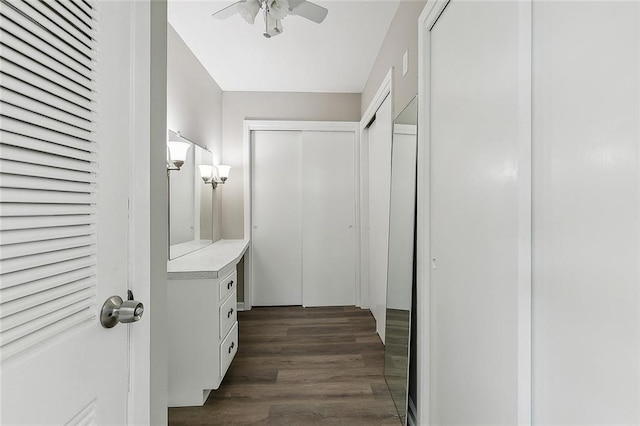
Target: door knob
(116, 310)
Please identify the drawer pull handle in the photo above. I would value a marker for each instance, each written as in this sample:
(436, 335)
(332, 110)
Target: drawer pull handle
(230, 313)
(229, 285)
(233, 345)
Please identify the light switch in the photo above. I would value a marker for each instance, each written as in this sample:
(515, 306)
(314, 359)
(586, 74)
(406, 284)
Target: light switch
(405, 62)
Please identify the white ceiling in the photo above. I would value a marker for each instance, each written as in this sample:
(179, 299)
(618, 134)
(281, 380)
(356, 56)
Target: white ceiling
(334, 56)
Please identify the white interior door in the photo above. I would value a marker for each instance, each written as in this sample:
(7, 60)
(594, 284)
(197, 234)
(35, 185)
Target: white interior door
(64, 207)
(328, 218)
(276, 218)
(380, 134)
(479, 235)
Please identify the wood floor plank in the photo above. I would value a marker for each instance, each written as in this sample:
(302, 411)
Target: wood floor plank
(300, 366)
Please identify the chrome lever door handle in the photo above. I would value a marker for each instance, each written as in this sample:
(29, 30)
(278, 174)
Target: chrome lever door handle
(116, 310)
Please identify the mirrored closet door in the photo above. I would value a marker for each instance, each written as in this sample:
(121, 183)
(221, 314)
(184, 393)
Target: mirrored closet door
(400, 275)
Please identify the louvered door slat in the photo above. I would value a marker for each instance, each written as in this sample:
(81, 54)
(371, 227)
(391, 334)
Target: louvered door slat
(20, 141)
(24, 155)
(38, 106)
(15, 237)
(27, 249)
(11, 13)
(64, 12)
(34, 92)
(82, 8)
(67, 32)
(12, 195)
(50, 23)
(24, 303)
(8, 68)
(45, 171)
(14, 328)
(57, 326)
(55, 76)
(38, 286)
(18, 209)
(28, 262)
(16, 126)
(16, 113)
(33, 43)
(20, 278)
(37, 222)
(34, 183)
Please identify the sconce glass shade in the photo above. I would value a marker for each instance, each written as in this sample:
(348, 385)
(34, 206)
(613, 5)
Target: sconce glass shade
(223, 172)
(249, 10)
(178, 152)
(206, 172)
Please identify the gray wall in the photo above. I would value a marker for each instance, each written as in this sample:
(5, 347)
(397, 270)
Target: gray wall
(194, 107)
(402, 36)
(239, 106)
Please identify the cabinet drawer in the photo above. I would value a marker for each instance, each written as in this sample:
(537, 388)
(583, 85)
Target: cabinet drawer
(228, 285)
(228, 314)
(228, 349)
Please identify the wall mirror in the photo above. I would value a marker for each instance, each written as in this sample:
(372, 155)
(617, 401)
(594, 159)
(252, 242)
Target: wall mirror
(400, 276)
(190, 205)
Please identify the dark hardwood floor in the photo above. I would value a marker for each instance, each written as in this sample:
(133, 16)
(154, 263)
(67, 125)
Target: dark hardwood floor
(301, 366)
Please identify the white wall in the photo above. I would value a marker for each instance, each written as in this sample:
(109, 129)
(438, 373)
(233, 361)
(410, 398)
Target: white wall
(194, 107)
(239, 106)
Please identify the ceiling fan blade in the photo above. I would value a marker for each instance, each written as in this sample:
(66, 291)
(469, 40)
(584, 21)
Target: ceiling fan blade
(308, 10)
(228, 11)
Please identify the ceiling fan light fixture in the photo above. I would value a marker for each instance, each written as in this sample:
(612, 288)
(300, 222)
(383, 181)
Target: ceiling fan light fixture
(273, 27)
(249, 10)
(278, 9)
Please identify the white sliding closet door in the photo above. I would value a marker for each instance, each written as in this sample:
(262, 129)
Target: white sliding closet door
(276, 218)
(328, 218)
(303, 213)
(475, 231)
(586, 347)
(380, 133)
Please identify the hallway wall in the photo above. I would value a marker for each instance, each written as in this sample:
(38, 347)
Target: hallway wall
(402, 36)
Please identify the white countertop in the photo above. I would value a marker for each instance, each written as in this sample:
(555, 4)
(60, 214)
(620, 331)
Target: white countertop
(207, 262)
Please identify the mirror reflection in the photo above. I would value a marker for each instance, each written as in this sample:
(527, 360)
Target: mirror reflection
(190, 205)
(400, 276)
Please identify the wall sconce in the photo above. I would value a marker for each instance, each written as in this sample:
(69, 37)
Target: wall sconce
(206, 172)
(178, 148)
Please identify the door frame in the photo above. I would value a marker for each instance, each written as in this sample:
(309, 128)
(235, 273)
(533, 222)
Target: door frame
(362, 169)
(287, 125)
(147, 399)
(428, 18)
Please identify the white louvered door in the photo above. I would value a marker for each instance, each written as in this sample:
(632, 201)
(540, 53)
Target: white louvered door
(65, 108)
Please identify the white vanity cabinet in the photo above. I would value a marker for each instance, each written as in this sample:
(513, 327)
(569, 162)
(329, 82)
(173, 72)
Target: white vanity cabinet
(202, 320)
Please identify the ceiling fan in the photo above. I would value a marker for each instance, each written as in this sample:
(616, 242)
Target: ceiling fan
(274, 11)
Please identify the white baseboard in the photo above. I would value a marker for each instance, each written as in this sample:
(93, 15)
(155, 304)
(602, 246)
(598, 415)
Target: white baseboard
(240, 306)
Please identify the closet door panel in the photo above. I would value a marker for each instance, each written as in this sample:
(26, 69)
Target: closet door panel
(474, 214)
(586, 348)
(328, 218)
(276, 218)
(380, 133)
